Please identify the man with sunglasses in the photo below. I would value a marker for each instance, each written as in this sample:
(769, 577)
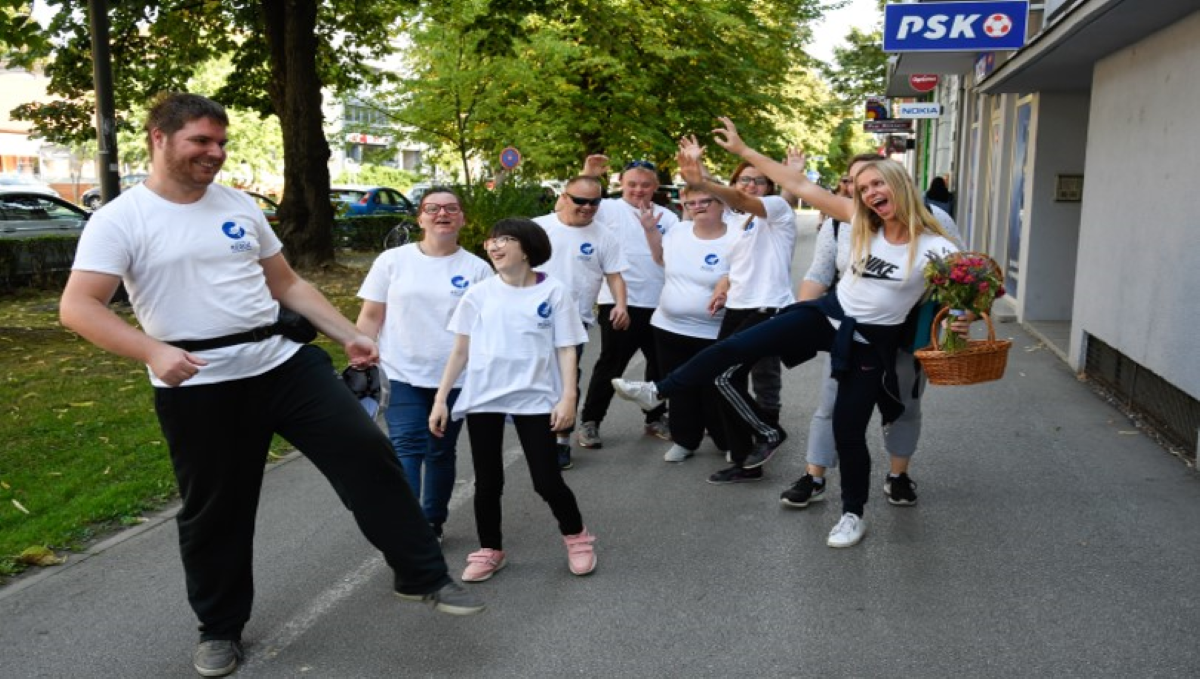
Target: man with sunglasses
(584, 256)
(638, 225)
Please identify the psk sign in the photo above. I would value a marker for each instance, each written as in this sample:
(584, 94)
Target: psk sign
(955, 26)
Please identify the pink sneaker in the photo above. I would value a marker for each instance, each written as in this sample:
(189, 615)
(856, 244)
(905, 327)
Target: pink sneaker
(483, 564)
(580, 553)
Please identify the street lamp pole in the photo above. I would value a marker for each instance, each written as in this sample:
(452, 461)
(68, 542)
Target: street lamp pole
(106, 121)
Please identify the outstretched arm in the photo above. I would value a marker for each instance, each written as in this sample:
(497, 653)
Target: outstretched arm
(692, 171)
(786, 178)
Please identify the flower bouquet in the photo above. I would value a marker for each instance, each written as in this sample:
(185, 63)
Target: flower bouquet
(964, 282)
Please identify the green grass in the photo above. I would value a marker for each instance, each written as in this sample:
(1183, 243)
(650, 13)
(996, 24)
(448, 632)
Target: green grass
(80, 447)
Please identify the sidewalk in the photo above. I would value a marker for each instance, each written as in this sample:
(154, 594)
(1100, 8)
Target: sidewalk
(1051, 539)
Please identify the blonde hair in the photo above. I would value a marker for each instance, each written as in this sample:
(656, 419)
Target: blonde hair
(909, 210)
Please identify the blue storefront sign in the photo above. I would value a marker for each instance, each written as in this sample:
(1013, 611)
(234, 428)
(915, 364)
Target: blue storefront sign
(955, 26)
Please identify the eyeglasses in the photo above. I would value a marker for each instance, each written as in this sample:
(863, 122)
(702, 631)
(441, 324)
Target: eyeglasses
(847, 180)
(757, 181)
(594, 202)
(434, 208)
(641, 165)
(498, 242)
(702, 202)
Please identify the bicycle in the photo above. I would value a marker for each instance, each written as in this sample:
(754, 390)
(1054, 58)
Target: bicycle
(401, 234)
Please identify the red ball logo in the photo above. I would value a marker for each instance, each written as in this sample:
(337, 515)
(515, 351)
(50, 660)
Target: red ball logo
(997, 25)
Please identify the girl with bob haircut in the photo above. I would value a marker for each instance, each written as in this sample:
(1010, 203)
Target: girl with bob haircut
(515, 340)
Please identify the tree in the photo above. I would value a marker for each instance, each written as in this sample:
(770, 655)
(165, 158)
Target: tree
(283, 53)
(559, 83)
(860, 68)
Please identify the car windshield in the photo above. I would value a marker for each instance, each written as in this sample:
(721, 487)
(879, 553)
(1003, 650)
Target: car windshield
(348, 195)
(30, 208)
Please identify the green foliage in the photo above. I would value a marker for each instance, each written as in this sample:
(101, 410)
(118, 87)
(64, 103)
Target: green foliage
(860, 68)
(483, 207)
(379, 175)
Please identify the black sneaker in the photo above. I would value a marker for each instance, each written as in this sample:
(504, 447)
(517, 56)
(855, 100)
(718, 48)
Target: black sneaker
(802, 492)
(451, 598)
(900, 490)
(763, 451)
(437, 531)
(217, 657)
(564, 456)
(735, 474)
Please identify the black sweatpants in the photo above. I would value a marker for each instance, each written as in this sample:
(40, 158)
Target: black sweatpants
(617, 348)
(486, 432)
(219, 436)
(694, 410)
(742, 419)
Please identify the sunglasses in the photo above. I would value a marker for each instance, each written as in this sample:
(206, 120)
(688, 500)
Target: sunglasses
(499, 241)
(434, 208)
(702, 202)
(759, 181)
(594, 202)
(642, 165)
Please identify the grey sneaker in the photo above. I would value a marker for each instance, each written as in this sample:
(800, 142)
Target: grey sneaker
(217, 657)
(589, 435)
(641, 393)
(763, 451)
(678, 453)
(451, 598)
(659, 428)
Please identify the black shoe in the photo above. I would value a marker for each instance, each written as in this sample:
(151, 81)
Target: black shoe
(764, 450)
(900, 490)
(735, 474)
(437, 531)
(564, 456)
(802, 492)
(451, 598)
(217, 657)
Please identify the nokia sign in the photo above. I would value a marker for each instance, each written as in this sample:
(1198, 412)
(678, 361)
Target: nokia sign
(955, 26)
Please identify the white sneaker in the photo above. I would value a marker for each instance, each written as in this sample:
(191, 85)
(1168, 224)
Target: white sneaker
(641, 393)
(678, 453)
(848, 532)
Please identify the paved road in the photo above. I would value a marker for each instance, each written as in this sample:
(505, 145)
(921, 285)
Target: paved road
(1050, 540)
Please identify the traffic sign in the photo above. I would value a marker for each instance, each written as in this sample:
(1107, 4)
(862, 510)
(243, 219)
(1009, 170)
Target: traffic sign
(510, 158)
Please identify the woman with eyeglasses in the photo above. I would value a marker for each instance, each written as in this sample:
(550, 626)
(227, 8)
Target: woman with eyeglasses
(639, 226)
(758, 285)
(695, 257)
(514, 340)
(408, 297)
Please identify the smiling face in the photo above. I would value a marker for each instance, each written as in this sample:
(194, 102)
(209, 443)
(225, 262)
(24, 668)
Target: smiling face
(873, 192)
(440, 224)
(702, 208)
(190, 157)
(570, 212)
(638, 185)
(752, 182)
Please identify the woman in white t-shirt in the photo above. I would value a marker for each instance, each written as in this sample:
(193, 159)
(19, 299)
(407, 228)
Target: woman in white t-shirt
(408, 297)
(695, 256)
(515, 339)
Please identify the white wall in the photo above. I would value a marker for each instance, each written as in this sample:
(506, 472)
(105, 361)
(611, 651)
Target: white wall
(1138, 280)
(1051, 239)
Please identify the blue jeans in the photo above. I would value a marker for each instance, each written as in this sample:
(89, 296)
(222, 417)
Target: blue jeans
(416, 448)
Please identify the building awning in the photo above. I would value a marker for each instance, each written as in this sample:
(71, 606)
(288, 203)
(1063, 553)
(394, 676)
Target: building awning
(19, 145)
(1062, 56)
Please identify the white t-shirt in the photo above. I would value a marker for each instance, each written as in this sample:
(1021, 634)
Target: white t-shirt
(760, 261)
(830, 258)
(580, 256)
(692, 266)
(512, 365)
(193, 272)
(644, 277)
(885, 291)
(421, 293)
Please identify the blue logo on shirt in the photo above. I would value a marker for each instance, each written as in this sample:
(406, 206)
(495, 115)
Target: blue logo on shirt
(460, 282)
(232, 230)
(750, 226)
(587, 248)
(711, 259)
(543, 309)
(661, 228)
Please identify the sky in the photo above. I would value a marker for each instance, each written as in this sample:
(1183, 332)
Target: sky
(833, 29)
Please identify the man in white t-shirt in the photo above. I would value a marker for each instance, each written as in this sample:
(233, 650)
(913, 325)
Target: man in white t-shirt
(584, 256)
(638, 225)
(206, 278)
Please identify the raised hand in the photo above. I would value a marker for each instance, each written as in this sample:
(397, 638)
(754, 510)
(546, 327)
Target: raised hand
(595, 165)
(689, 160)
(795, 158)
(727, 137)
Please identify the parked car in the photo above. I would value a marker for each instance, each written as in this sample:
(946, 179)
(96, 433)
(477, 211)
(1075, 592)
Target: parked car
(268, 206)
(666, 195)
(418, 191)
(29, 214)
(91, 198)
(23, 183)
(371, 200)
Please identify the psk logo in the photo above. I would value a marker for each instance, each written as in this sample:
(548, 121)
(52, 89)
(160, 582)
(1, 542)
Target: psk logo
(750, 226)
(660, 228)
(232, 230)
(460, 282)
(543, 312)
(997, 25)
(587, 248)
(711, 259)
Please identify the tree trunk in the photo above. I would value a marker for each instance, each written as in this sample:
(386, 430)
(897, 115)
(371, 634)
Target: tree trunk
(305, 213)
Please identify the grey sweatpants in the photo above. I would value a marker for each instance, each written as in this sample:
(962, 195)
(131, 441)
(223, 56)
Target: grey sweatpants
(899, 438)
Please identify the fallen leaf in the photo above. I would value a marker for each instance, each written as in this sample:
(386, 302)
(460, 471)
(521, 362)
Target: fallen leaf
(83, 404)
(5, 486)
(54, 473)
(106, 471)
(19, 506)
(40, 556)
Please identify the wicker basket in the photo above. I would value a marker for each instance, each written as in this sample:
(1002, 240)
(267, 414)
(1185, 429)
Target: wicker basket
(979, 361)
